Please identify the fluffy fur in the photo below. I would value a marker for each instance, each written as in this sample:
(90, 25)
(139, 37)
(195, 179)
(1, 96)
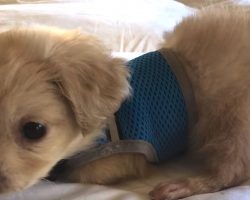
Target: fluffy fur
(69, 82)
(65, 80)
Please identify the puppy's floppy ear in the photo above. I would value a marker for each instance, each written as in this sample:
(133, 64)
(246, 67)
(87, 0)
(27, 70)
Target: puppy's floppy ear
(92, 81)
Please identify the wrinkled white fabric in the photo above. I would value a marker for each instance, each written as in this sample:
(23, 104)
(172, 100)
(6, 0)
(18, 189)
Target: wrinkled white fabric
(124, 25)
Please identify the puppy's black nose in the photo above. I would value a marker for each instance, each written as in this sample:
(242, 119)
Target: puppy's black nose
(3, 183)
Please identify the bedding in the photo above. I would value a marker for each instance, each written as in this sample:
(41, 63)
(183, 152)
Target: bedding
(139, 31)
(129, 28)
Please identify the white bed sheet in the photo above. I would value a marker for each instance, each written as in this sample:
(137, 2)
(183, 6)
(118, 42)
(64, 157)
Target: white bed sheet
(124, 25)
(130, 190)
(50, 191)
(135, 29)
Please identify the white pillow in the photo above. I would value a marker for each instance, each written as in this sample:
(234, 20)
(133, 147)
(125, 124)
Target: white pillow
(124, 25)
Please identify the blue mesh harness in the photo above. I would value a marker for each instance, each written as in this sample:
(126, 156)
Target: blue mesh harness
(153, 121)
(156, 112)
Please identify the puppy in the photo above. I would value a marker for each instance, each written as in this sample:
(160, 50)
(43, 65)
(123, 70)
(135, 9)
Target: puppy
(59, 89)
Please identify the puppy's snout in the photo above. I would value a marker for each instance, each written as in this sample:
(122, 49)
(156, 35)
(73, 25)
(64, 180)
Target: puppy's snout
(3, 183)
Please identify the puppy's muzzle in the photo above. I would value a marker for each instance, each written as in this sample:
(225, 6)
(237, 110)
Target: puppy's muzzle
(4, 183)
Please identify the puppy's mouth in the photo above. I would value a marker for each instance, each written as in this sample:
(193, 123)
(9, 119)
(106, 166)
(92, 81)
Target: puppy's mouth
(56, 174)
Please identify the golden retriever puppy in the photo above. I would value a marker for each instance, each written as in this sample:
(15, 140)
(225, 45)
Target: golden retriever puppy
(60, 88)
(57, 89)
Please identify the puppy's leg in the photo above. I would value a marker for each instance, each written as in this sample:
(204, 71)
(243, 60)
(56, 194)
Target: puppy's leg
(222, 143)
(111, 169)
(204, 183)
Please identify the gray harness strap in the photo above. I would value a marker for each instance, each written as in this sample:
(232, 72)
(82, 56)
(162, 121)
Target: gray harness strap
(177, 63)
(117, 146)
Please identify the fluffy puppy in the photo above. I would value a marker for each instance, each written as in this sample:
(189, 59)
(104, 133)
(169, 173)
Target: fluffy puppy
(215, 44)
(58, 89)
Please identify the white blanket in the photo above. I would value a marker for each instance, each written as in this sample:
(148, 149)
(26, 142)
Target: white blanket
(130, 190)
(49, 191)
(124, 25)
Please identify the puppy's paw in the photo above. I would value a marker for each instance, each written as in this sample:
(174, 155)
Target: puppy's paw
(172, 190)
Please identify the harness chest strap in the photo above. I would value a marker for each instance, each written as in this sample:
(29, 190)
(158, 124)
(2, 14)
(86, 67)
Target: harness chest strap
(116, 145)
(177, 63)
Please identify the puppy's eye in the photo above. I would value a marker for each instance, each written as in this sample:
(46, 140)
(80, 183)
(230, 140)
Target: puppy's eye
(33, 130)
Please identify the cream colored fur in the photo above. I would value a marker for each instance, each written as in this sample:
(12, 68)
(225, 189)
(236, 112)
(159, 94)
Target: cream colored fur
(69, 82)
(65, 80)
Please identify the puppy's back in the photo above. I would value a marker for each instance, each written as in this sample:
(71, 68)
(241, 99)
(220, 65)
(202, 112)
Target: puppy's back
(211, 32)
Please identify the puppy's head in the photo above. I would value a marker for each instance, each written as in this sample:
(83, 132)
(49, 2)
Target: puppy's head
(57, 89)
